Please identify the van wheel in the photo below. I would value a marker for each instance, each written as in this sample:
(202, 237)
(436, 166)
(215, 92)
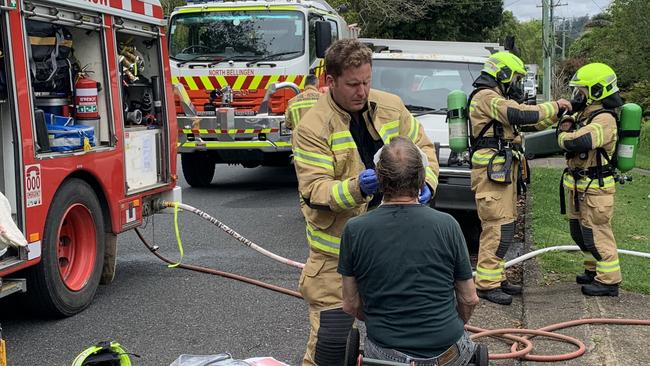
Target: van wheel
(198, 169)
(65, 281)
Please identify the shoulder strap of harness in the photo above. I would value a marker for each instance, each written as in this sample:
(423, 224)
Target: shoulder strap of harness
(492, 124)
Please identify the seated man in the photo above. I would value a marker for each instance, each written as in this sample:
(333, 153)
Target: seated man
(406, 270)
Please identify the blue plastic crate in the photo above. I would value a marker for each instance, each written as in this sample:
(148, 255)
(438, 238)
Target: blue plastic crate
(53, 119)
(68, 138)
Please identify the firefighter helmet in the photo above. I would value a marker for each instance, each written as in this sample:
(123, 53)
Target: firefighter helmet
(599, 80)
(503, 66)
(103, 353)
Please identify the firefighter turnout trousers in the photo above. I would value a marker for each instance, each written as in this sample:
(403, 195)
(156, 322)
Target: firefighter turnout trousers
(591, 229)
(496, 204)
(321, 286)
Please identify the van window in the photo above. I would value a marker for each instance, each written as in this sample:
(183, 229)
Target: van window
(421, 82)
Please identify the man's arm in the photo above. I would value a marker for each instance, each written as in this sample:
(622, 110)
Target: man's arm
(466, 298)
(510, 112)
(317, 183)
(594, 135)
(465, 290)
(352, 303)
(288, 116)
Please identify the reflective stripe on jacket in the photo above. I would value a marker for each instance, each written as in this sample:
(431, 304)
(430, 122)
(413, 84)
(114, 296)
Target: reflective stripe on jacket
(328, 164)
(299, 105)
(490, 104)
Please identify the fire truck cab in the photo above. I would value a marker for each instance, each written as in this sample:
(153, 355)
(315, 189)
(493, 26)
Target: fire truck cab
(86, 121)
(237, 64)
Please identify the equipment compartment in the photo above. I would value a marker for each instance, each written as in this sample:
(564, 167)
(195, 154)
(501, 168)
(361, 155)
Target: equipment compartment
(68, 75)
(140, 68)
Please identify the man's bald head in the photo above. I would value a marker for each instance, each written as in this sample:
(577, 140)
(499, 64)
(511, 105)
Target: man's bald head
(400, 169)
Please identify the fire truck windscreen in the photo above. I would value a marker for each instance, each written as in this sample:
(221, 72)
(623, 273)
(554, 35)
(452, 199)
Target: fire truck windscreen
(237, 35)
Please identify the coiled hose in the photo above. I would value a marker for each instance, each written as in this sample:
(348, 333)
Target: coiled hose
(506, 334)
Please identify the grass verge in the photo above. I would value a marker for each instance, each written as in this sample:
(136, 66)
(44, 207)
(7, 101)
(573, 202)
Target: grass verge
(643, 155)
(630, 224)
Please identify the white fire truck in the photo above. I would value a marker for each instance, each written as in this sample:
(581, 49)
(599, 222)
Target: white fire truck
(88, 131)
(237, 63)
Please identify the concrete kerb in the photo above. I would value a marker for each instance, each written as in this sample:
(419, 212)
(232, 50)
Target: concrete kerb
(547, 300)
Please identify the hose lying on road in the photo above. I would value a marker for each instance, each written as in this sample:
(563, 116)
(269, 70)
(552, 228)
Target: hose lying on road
(504, 334)
(154, 250)
(231, 232)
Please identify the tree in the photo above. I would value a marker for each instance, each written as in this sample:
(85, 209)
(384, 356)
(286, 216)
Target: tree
(619, 38)
(169, 5)
(441, 20)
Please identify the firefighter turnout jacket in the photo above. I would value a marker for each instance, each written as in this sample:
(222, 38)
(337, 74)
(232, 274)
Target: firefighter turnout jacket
(596, 131)
(299, 105)
(591, 190)
(328, 163)
(488, 105)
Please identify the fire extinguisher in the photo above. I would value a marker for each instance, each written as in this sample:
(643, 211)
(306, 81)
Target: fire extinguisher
(86, 98)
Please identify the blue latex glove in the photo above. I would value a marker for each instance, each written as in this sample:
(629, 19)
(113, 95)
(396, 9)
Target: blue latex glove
(368, 181)
(425, 194)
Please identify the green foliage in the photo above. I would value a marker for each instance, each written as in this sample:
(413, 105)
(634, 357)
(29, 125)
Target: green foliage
(639, 93)
(619, 39)
(169, 5)
(440, 21)
(630, 228)
(643, 155)
(528, 40)
(528, 36)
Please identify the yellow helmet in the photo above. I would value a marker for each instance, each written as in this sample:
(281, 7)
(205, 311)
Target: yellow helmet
(599, 80)
(503, 66)
(103, 352)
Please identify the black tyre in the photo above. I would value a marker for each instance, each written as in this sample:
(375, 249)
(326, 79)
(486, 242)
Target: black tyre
(198, 169)
(352, 348)
(65, 281)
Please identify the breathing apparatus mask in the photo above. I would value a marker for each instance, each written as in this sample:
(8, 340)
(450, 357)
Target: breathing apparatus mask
(578, 100)
(515, 89)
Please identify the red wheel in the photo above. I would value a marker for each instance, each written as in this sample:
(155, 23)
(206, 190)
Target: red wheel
(65, 281)
(76, 247)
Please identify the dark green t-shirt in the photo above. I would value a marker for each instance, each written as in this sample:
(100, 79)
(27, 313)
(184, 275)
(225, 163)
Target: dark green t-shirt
(405, 259)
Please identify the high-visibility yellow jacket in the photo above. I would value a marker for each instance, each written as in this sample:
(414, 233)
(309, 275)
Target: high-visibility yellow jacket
(490, 104)
(299, 105)
(583, 143)
(328, 164)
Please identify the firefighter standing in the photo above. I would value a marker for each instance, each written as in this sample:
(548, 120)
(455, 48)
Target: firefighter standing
(589, 139)
(498, 167)
(334, 146)
(301, 103)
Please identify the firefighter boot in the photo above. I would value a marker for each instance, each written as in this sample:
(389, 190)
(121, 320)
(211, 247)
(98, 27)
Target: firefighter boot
(586, 278)
(600, 289)
(495, 295)
(510, 289)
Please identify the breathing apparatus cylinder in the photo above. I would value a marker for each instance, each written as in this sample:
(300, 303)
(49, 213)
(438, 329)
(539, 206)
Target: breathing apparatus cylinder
(628, 143)
(457, 120)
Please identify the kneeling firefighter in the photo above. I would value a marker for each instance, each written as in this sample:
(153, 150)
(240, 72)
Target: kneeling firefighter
(499, 169)
(590, 140)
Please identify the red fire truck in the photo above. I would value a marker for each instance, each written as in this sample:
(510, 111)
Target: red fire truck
(88, 131)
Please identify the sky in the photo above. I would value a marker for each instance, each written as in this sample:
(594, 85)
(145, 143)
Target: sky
(528, 9)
